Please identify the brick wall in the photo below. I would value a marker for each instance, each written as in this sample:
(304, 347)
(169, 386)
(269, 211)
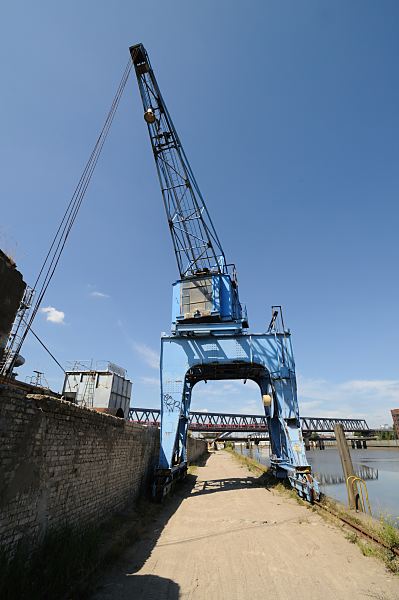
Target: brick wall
(60, 463)
(63, 464)
(196, 448)
(11, 292)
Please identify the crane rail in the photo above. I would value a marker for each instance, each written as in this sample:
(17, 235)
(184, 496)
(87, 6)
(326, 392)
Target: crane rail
(356, 527)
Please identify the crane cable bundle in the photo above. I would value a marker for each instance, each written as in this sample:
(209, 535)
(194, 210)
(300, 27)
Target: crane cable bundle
(51, 261)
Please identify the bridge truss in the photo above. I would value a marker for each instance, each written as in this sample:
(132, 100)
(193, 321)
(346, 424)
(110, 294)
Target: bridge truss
(213, 422)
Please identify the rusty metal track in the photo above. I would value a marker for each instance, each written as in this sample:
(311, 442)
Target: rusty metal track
(357, 528)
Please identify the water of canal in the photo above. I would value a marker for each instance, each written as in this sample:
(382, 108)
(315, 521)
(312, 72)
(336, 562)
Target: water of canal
(379, 467)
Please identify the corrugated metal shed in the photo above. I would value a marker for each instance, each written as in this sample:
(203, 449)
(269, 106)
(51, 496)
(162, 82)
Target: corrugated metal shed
(104, 387)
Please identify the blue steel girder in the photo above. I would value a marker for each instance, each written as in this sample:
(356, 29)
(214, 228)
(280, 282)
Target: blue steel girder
(265, 358)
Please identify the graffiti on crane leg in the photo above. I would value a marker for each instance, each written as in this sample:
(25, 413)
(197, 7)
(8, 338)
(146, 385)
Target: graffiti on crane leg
(169, 403)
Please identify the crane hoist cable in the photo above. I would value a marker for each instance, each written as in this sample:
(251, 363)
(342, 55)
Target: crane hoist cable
(47, 349)
(53, 256)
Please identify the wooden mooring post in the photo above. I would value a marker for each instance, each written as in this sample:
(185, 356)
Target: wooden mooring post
(346, 461)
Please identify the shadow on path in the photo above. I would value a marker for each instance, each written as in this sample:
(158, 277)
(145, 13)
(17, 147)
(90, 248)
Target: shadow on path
(122, 580)
(211, 486)
(146, 587)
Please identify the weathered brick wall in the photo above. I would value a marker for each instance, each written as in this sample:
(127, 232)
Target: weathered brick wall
(196, 448)
(12, 288)
(60, 463)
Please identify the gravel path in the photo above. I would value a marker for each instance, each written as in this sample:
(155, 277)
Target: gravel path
(229, 539)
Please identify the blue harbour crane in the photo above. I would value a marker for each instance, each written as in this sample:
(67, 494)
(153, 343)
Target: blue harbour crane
(209, 337)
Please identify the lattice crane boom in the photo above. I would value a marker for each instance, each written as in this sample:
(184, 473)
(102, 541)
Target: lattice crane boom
(196, 244)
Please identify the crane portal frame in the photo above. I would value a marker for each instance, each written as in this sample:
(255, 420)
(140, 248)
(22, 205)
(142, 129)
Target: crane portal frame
(264, 358)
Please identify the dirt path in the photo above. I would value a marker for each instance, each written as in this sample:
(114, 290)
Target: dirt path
(231, 540)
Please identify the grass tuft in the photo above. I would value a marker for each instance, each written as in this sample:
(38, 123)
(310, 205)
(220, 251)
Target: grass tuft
(367, 549)
(351, 537)
(389, 533)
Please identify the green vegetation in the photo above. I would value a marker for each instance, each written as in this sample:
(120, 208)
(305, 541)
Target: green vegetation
(389, 532)
(370, 549)
(386, 435)
(384, 530)
(351, 537)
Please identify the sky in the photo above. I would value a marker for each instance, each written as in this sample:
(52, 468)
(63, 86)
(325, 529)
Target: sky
(288, 112)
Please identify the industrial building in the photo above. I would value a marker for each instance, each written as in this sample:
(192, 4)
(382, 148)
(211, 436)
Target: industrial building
(103, 387)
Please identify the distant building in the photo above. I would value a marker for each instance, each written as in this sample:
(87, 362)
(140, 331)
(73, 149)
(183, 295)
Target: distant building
(395, 417)
(103, 387)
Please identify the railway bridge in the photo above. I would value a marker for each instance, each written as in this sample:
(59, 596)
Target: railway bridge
(213, 422)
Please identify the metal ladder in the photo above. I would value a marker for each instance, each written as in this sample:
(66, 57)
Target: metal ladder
(88, 395)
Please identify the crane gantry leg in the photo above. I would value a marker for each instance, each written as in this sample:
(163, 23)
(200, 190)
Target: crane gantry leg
(266, 359)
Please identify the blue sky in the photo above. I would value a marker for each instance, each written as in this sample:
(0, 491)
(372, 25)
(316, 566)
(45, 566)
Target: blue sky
(288, 112)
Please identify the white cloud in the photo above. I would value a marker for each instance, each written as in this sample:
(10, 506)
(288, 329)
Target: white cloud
(150, 357)
(98, 295)
(311, 406)
(53, 315)
(371, 399)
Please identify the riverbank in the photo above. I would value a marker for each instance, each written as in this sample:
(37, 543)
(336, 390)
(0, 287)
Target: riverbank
(375, 537)
(235, 535)
(379, 467)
